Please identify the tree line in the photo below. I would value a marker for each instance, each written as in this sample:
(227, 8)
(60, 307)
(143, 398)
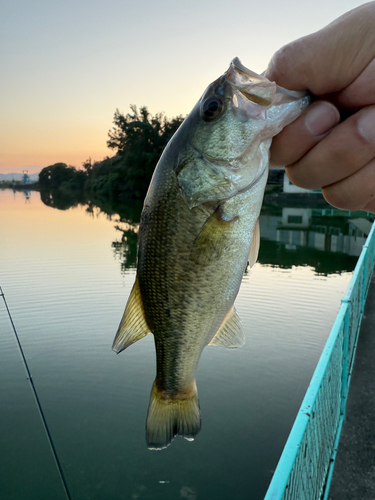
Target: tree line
(138, 139)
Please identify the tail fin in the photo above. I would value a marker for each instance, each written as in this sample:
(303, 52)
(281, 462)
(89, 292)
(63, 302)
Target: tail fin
(171, 416)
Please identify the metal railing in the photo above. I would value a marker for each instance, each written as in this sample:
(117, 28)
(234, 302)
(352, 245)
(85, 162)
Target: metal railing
(305, 468)
(336, 212)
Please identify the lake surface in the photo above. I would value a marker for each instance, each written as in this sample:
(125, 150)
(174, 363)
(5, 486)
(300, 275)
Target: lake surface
(66, 276)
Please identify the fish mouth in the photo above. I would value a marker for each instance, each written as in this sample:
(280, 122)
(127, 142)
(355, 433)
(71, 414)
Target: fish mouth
(237, 64)
(256, 98)
(257, 88)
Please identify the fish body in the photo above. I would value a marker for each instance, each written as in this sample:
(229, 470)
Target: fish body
(198, 231)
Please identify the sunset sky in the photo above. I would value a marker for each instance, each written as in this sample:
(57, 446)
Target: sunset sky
(67, 65)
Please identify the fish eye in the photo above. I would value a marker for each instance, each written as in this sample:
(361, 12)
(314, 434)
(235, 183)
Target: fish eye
(212, 108)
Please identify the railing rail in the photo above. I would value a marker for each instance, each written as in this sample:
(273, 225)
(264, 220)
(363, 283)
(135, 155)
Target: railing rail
(305, 467)
(335, 212)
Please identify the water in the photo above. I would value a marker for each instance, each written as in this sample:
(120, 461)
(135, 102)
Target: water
(66, 275)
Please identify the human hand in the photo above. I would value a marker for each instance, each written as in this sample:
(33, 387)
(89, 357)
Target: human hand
(337, 65)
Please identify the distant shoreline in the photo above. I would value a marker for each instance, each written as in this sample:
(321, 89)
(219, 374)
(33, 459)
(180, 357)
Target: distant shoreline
(278, 199)
(33, 186)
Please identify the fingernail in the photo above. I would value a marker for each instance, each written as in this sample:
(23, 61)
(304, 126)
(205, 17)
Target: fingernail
(321, 117)
(366, 124)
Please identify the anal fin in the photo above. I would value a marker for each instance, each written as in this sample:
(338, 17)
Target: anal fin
(133, 325)
(230, 334)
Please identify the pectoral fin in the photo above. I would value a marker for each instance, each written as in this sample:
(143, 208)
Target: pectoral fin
(255, 244)
(133, 325)
(214, 238)
(230, 334)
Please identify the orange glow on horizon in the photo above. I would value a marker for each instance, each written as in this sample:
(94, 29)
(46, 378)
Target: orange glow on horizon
(43, 145)
(35, 162)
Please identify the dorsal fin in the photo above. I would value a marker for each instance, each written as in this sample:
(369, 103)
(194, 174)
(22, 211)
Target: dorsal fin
(133, 325)
(255, 244)
(230, 333)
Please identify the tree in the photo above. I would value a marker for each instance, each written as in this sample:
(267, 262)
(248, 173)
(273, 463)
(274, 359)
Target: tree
(140, 139)
(88, 165)
(53, 176)
(60, 175)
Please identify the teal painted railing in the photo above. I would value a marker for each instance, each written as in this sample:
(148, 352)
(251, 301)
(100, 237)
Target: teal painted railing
(306, 465)
(335, 212)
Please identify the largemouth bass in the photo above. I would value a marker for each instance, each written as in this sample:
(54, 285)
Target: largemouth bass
(198, 231)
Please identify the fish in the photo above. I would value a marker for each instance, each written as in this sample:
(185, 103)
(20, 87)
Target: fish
(198, 231)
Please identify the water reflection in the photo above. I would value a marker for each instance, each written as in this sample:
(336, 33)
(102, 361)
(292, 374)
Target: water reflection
(290, 236)
(26, 194)
(125, 249)
(62, 200)
(327, 231)
(307, 236)
(293, 236)
(64, 261)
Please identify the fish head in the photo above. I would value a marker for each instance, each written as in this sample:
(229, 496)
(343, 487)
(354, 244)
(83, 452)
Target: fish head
(231, 130)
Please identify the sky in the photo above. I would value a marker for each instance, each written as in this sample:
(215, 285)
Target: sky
(66, 66)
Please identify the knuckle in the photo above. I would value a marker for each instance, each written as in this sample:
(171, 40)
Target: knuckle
(338, 196)
(283, 55)
(280, 64)
(331, 196)
(364, 128)
(297, 177)
(370, 206)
